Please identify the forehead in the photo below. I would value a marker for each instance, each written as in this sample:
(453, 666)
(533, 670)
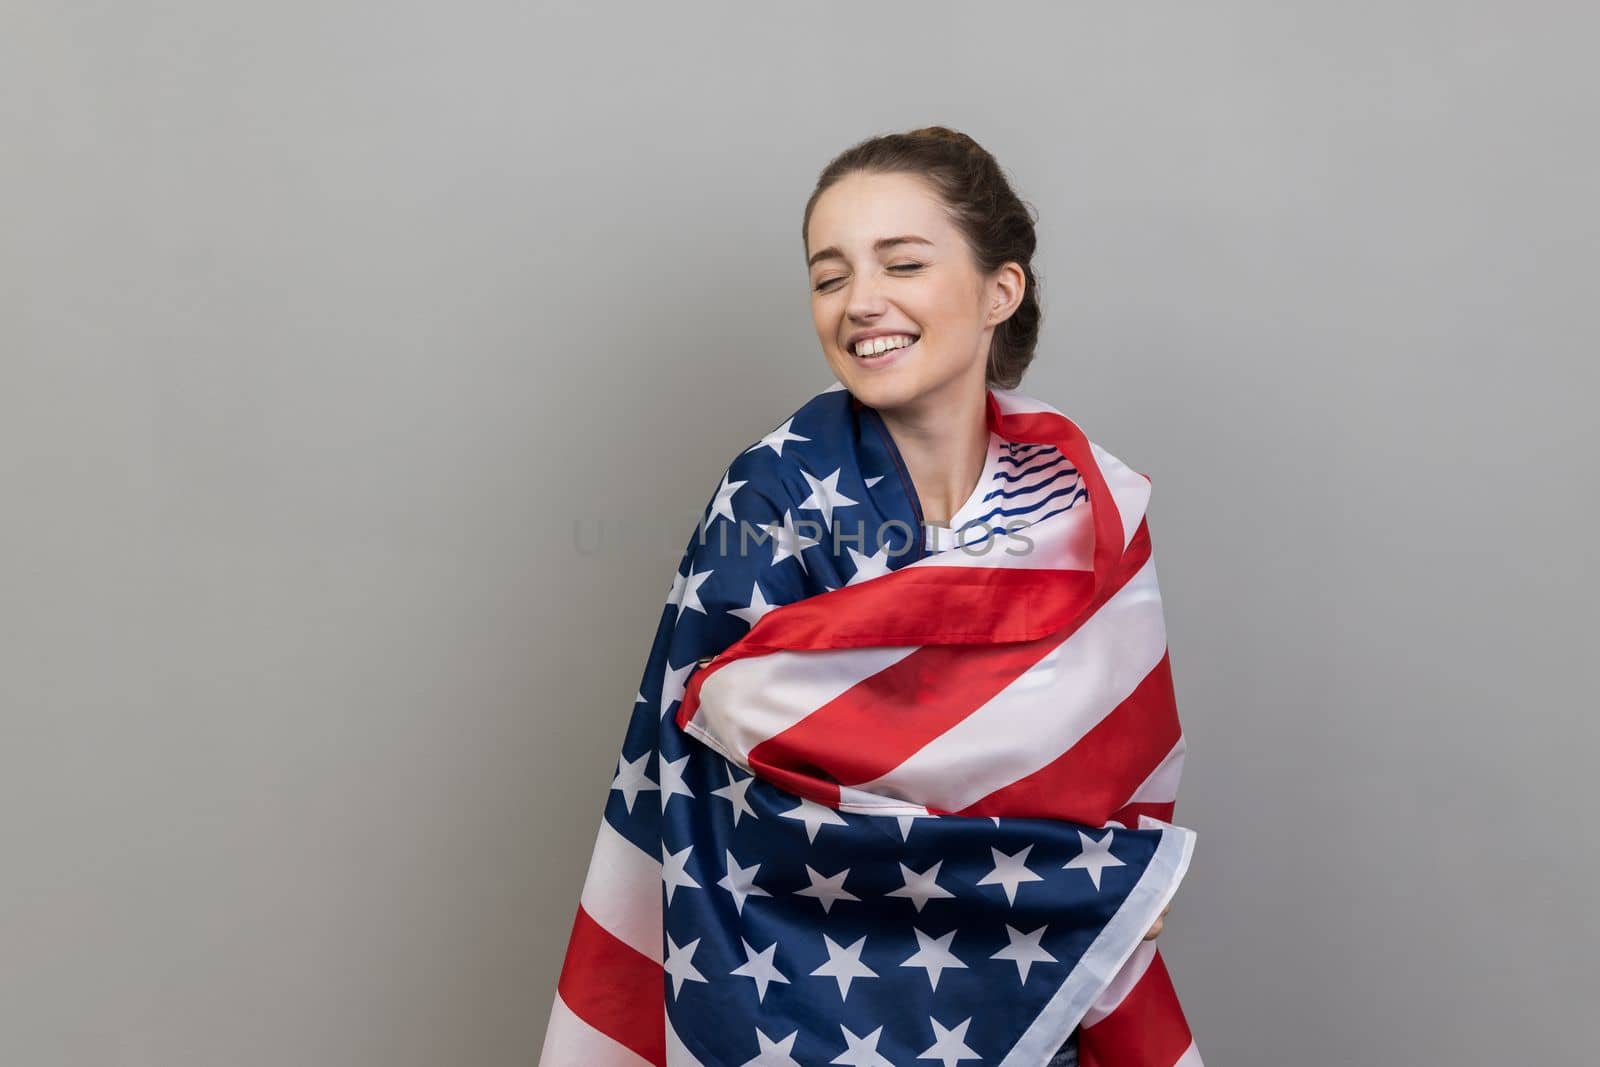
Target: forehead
(860, 208)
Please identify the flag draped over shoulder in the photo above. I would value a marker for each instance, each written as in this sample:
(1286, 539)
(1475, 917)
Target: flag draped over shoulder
(878, 806)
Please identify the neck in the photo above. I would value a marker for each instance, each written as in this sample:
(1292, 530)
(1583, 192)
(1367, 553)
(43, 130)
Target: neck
(944, 445)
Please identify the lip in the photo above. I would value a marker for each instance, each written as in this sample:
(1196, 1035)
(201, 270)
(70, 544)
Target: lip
(864, 335)
(885, 359)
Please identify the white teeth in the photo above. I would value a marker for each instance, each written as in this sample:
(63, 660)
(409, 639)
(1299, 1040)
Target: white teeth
(875, 345)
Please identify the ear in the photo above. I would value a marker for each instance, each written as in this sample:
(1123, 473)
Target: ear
(1007, 286)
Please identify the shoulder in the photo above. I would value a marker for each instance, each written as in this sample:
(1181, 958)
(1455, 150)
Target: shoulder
(812, 436)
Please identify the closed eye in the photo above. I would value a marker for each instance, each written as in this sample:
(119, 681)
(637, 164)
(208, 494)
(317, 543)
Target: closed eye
(823, 286)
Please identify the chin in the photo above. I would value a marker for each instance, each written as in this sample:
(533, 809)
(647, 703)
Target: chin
(889, 387)
(880, 393)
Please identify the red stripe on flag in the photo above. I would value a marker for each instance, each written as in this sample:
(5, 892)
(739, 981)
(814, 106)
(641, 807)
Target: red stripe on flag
(1146, 1030)
(1056, 429)
(1094, 778)
(929, 606)
(801, 779)
(615, 989)
(893, 714)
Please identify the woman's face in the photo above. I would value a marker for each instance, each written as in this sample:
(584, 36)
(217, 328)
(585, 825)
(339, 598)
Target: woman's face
(884, 259)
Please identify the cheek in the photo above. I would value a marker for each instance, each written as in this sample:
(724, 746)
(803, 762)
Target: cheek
(948, 309)
(827, 333)
(935, 302)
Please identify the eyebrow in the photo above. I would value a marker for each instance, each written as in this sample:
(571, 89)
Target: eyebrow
(832, 251)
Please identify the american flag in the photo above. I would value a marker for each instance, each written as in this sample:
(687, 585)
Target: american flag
(881, 806)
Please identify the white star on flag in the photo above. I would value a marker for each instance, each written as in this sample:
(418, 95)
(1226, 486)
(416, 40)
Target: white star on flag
(787, 540)
(814, 815)
(905, 823)
(631, 779)
(673, 873)
(740, 881)
(722, 504)
(1010, 871)
(825, 496)
(758, 606)
(678, 964)
(734, 793)
(934, 955)
(672, 784)
(950, 1046)
(773, 1053)
(826, 890)
(777, 438)
(861, 1051)
(690, 591)
(868, 567)
(844, 964)
(1024, 950)
(672, 684)
(760, 966)
(920, 887)
(1095, 857)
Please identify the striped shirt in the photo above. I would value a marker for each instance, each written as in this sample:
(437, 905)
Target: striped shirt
(1020, 484)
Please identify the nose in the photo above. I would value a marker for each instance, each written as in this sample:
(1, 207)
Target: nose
(865, 301)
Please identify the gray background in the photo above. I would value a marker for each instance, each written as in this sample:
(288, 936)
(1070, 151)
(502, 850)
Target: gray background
(322, 322)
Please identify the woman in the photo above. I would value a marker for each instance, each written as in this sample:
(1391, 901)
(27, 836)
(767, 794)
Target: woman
(922, 236)
(871, 744)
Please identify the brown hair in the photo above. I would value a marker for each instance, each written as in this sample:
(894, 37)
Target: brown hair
(997, 225)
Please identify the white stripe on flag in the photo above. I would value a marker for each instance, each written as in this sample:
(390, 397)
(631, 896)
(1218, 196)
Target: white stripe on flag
(570, 1040)
(749, 700)
(1129, 488)
(622, 892)
(1122, 984)
(1080, 681)
(1162, 785)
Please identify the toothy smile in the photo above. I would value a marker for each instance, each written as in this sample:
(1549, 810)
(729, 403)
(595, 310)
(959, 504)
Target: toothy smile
(873, 346)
